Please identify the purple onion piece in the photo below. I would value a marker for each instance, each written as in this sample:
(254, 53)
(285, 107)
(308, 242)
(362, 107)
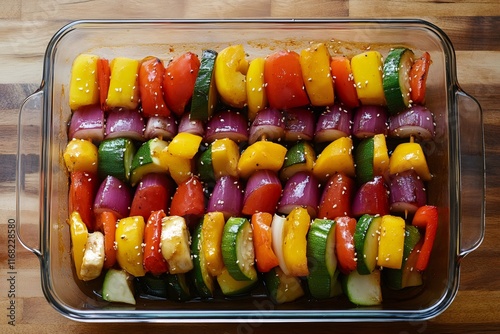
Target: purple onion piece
(113, 195)
(333, 123)
(302, 189)
(369, 121)
(227, 197)
(268, 123)
(192, 126)
(227, 124)
(407, 192)
(160, 127)
(299, 124)
(87, 123)
(416, 121)
(125, 123)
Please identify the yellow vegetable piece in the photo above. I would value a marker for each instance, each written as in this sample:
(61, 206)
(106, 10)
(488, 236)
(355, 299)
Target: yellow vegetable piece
(295, 241)
(80, 155)
(79, 235)
(231, 67)
(380, 155)
(129, 236)
(83, 88)
(180, 169)
(225, 156)
(335, 158)
(315, 66)
(391, 243)
(185, 145)
(409, 156)
(124, 83)
(256, 92)
(211, 229)
(367, 70)
(261, 155)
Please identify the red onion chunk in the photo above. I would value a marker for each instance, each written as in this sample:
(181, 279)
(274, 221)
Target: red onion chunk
(302, 189)
(416, 121)
(87, 123)
(125, 123)
(152, 194)
(192, 126)
(407, 192)
(262, 193)
(113, 195)
(372, 198)
(369, 121)
(269, 124)
(299, 124)
(227, 124)
(227, 197)
(164, 127)
(333, 123)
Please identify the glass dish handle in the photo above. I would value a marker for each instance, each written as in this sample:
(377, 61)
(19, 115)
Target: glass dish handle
(472, 172)
(28, 171)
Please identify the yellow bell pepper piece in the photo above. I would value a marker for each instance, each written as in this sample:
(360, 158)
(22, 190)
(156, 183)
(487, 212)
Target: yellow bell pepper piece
(80, 155)
(180, 169)
(225, 156)
(409, 156)
(391, 243)
(129, 236)
(124, 83)
(256, 92)
(367, 71)
(295, 241)
(315, 66)
(261, 155)
(335, 158)
(211, 229)
(79, 235)
(230, 75)
(380, 155)
(83, 88)
(185, 145)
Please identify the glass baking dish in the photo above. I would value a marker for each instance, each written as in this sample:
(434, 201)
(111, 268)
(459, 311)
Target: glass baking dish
(456, 157)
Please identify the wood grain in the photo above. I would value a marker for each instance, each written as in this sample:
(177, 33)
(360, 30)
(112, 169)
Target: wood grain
(26, 27)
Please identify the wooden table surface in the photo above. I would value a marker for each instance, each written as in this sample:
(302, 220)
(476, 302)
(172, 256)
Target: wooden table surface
(25, 29)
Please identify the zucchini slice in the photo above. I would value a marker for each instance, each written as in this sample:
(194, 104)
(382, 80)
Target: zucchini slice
(205, 93)
(203, 282)
(396, 79)
(322, 261)
(366, 243)
(231, 287)
(281, 287)
(178, 287)
(237, 249)
(117, 287)
(146, 160)
(115, 157)
(363, 290)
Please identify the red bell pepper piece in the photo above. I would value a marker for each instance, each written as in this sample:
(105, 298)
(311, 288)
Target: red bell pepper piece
(344, 244)
(103, 78)
(337, 196)
(151, 73)
(262, 241)
(82, 191)
(418, 78)
(106, 223)
(153, 259)
(283, 76)
(188, 200)
(426, 217)
(344, 81)
(178, 83)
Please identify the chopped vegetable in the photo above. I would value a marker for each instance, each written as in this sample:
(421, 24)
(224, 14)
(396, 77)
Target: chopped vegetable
(113, 195)
(226, 197)
(372, 198)
(93, 257)
(256, 88)
(175, 244)
(122, 123)
(160, 127)
(153, 193)
(366, 239)
(333, 123)
(409, 156)
(301, 190)
(184, 145)
(367, 72)
(231, 68)
(426, 217)
(82, 192)
(80, 156)
(103, 78)
(315, 65)
(416, 121)
(79, 235)
(154, 262)
(262, 241)
(203, 280)
(364, 290)
(117, 287)
(123, 89)
(227, 124)
(83, 88)
(211, 230)
(344, 244)
(188, 200)
(205, 94)
(299, 124)
(262, 193)
(269, 124)
(369, 121)
(261, 155)
(396, 79)
(418, 78)
(87, 122)
(299, 158)
(343, 79)
(336, 197)
(151, 73)
(282, 288)
(106, 223)
(295, 241)
(147, 160)
(129, 236)
(115, 158)
(335, 158)
(391, 243)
